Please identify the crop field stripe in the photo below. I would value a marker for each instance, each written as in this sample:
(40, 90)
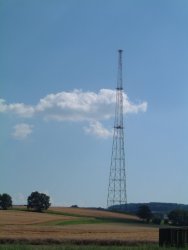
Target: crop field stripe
(98, 219)
(53, 213)
(89, 247)
(79, 221)
(65, 214)
(48, 212)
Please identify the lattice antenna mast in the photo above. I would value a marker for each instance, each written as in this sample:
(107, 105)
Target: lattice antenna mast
(117, 180)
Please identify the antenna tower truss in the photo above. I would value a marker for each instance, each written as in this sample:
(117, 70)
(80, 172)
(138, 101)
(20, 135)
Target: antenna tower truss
(117, 180)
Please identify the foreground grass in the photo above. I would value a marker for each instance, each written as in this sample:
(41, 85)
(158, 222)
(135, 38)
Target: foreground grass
(89, 247)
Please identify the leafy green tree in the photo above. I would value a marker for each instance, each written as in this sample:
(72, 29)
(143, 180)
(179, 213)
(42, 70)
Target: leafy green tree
(38, 201)
(5, 201)
(144, 213)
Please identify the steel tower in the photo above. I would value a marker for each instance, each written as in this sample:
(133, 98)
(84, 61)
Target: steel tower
(117, 180)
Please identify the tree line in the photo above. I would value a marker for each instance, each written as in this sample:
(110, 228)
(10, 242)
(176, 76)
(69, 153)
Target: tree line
(35, 201)
(177, 217)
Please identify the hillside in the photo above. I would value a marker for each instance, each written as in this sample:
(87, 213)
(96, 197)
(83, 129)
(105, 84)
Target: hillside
(94, 213)
(156, 207)
(73, 225)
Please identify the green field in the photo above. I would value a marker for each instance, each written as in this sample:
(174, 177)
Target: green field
(89, 247)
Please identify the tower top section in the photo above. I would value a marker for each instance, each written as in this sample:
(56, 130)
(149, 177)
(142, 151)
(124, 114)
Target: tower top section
(120, 77)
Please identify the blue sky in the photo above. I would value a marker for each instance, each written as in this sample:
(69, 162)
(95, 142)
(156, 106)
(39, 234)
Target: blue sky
(58, 70)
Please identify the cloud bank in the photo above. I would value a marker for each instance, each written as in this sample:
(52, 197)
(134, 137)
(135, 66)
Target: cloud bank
(75, 106)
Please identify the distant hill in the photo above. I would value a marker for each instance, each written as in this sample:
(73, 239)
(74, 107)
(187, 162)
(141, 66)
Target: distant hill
(156, 207)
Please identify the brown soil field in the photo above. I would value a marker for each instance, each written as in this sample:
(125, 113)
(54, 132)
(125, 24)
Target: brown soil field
(38, 228)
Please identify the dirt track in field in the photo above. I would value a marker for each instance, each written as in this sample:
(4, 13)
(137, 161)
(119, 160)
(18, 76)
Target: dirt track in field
(35, 227)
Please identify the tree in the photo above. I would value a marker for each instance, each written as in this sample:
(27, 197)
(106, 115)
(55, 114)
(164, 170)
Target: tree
(5, 201)
(178, 217)
(144, 213)
(38, 201)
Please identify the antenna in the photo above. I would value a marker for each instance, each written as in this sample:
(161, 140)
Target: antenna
(117, 194)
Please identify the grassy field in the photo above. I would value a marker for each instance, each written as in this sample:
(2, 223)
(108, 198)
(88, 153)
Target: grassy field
(73, 226)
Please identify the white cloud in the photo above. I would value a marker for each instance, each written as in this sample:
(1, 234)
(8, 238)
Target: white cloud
(20, 109)
(96, 128)
(72, 106)
(22, 131)
(84, 106)
(3, 106)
